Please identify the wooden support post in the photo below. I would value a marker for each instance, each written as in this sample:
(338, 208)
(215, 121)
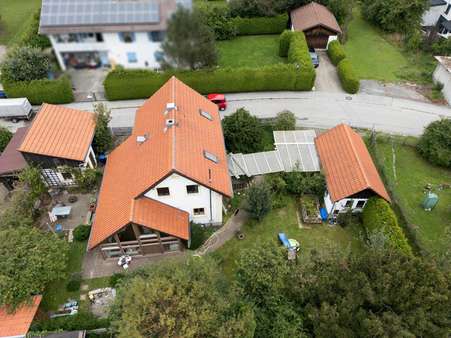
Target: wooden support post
(137, 235)
(116, 237)
(159, 240)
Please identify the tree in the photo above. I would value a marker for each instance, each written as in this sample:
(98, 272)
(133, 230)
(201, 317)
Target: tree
(299, 183)
(285, 120)
(188, 299)
(190, 43)
(20, 211)
(395, 15)
(24, 64)
(103, 139)
(259, 200)
(31, 178)
(5, 137)
(243, 133)
(30, 260)
(218, 18)
(435, 143)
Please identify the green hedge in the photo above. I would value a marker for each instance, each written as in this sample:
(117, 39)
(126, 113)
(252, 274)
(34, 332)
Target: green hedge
(80, 321)
(261, 25)
(30, 36)
(348, 78)
(336, 52)
(298, 54)
(123, 84)
(378, 216)
(39, 91)
(284, 42)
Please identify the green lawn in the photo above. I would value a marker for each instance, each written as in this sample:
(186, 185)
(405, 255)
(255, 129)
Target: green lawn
(412, 175)
(285, 220)
(14, 16)
(251, 51)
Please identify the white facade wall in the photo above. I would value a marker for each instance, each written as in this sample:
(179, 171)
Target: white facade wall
(180, 199)
(431, 16)
(442, 76)
(115, 49)
(340, 206)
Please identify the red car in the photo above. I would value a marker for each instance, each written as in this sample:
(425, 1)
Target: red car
(219, 99)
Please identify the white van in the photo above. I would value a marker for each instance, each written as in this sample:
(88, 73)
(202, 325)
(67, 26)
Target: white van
(16, 109)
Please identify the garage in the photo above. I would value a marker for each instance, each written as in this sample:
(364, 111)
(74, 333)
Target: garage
(318, 24)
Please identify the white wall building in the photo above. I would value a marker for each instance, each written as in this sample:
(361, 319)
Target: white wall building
(107, 33)
(438, 17)
(442, 74)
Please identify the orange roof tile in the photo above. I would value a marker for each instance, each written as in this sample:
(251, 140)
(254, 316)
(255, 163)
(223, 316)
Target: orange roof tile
(61, 132)
(17, 324)
(347, 164)
(133, 168)
(312, 15)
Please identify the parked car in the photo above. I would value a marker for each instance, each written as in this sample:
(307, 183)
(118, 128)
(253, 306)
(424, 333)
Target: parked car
(16, 109)
(2, 94)
(314, 56)
(219, 99)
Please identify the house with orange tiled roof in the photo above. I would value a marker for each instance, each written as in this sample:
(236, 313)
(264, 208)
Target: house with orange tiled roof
(171, 171)
(59, 138)
(16, 324)
(351, 176)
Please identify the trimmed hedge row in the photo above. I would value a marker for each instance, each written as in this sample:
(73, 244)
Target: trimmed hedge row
(123, 84)
(336, 52)
(378, 216)
(261, 25)
(348, 78)
(284, 42)
(39, 91)
(298, 54)
(30, 36)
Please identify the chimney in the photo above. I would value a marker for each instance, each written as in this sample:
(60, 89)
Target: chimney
(169, 107)
(142, 138)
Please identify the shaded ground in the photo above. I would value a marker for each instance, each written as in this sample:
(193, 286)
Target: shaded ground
(326, 75)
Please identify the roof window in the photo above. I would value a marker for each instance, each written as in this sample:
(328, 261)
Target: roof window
(211, 157)
(206, 114)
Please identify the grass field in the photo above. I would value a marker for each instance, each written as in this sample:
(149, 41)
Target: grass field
(14, 15)
(413, 173)
(250, 51)
(285, 220)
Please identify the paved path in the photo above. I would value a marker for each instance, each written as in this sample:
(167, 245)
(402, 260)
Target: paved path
(326, 75)
(225, 233)
(316, 109)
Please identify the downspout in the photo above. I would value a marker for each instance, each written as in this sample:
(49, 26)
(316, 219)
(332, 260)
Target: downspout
(211, 211)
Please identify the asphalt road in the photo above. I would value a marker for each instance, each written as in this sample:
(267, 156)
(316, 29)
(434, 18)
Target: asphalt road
(312, 109)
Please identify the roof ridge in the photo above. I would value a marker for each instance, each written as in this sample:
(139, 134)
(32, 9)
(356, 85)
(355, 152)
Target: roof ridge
(348, 130)
(175, 123)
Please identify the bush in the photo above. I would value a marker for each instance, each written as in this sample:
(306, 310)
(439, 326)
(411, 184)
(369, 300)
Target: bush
(87, 179)
(379, 217)
(39, 91)
(435, 143)
(298, 54)
(134, 84)
(24, 64)
(199, 235)
(299, 183)
(285, 120)
(260, 25)
(31, 37)
(74, 283)
(81, 232)
(335, 52)
(5, 137)
(259, 200)
(284, 42)
(219, 20)
(80, 321)
(116, 278)
(348, 77)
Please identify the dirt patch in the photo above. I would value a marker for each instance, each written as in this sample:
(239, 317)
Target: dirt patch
(408, 91)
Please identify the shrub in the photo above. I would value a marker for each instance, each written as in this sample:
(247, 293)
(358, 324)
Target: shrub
(74, 283)
(38, 91)
(284, 42)
(257, 8)
(31, 37)
(435, 143)
(335, 52)
(199, 234)
(298, 54)
(103, 138)
(219, 20)
(285, 120)
(259, 200)
(260, 25)
(299, 183)
(87, 179)
(24, 64)
(5, 137)
(81, 232)
(80, 321)
(116, 278)
(379, 217)
(348, 77)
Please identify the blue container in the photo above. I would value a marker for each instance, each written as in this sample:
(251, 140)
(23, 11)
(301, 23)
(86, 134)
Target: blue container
(323, 213)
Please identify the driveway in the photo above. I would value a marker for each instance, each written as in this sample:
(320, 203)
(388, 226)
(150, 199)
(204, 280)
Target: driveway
(88, 84)
(326, 75)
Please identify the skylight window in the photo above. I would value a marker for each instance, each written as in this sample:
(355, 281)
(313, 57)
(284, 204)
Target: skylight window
(206, 114)
(211, 157)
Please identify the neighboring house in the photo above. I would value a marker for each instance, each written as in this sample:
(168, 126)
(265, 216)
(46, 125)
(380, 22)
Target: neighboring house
(171, 171)
(59, 138)
(442, 74)
(351, 175)
(12, 161)
(17, 324)
(89, 34)
(318, 24)
(438, 17)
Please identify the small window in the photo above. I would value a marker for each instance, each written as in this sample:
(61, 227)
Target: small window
(159, 56)
(131, 57)
(206, 114)
(156, 36)
(360, 204)
(99, 37)
(127, 37)
(163, 191)
(448, 9)
(67, 176)
(349, 203)
(192, 189)
(199, 211)
(211, 157)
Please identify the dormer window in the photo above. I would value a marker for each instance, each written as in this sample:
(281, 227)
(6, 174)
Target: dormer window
(206, 114)
(211, 157)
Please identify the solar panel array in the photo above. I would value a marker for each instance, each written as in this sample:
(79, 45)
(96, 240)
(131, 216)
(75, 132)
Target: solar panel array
(295, 150)
(95, 12)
